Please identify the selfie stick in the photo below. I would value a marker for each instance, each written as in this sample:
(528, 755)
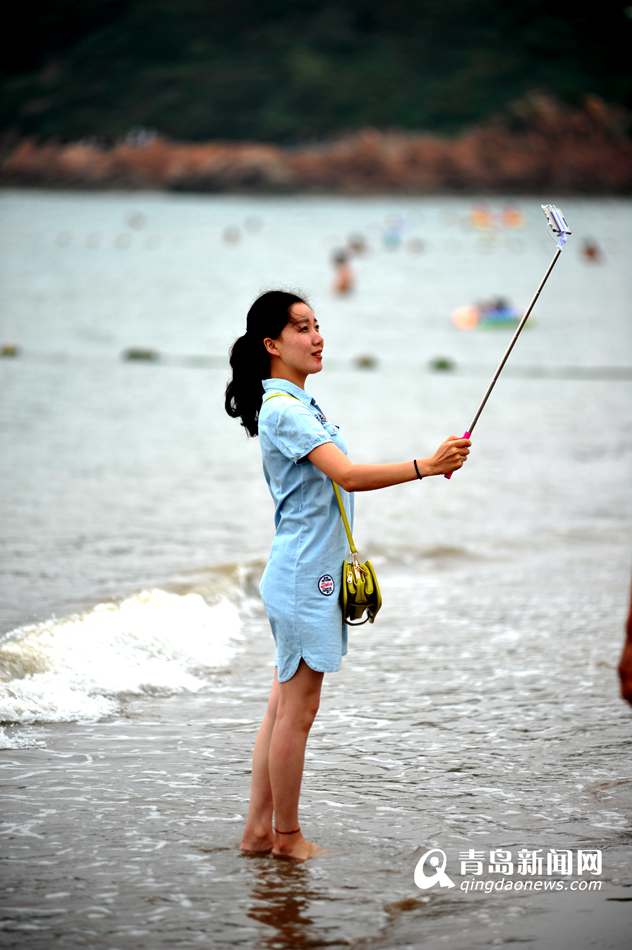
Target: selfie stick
(560, 229)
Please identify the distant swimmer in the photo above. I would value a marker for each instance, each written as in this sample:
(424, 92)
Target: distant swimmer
(591, 251)
(481, 218)
(511, 217)
(343, 280)
(416, 245)
(357, 244)
(393, 233)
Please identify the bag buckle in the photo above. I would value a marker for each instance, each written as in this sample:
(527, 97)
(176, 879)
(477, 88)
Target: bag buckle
(355, 566)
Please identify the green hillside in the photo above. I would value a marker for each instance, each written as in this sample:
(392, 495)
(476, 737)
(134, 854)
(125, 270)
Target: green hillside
(298, 70)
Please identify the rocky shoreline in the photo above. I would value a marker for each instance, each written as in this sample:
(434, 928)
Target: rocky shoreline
(539, 145)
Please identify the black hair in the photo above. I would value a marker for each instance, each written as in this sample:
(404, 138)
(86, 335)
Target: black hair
(249, 359)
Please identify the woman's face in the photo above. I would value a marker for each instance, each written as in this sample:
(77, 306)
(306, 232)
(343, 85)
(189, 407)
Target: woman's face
(300, 345)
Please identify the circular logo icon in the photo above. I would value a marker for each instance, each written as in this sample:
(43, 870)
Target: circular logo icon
(326, 585)
(437, 860)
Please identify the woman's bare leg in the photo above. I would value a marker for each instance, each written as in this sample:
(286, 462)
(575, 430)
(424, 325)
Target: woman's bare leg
(257, 836)
(298, 702)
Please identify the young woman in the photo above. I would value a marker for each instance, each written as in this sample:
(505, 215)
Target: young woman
(300, 586)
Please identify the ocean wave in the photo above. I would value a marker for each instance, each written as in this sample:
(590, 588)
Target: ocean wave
(80, 667)
(22, 739)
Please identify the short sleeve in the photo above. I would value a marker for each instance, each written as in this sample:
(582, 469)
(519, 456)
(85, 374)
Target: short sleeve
(295, 431)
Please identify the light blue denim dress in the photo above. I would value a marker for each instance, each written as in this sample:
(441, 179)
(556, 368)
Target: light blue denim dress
(300, 586)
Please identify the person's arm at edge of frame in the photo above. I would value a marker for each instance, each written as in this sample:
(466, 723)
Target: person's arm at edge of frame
(625, 663)
(449, 457)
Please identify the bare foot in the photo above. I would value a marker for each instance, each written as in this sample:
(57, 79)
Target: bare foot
(253, 843)
(295, 848)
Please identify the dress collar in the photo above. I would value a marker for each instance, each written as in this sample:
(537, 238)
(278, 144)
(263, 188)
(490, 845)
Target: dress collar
(285, 386)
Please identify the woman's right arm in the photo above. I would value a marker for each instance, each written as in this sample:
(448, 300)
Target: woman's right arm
(449, 457)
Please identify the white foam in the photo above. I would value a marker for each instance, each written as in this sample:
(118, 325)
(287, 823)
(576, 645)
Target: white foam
(78, 667)
(19, 740)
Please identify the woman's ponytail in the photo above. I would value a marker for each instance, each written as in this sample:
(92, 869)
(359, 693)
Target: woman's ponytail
(249, 359)
(250, 364)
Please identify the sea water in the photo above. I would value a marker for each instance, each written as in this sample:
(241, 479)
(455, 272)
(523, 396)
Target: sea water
(480, 710)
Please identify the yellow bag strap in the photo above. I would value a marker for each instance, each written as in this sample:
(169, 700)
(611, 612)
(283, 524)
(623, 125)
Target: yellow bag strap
(343, 513)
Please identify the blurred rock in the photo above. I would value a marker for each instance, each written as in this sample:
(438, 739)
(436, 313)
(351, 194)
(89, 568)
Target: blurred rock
(365, 361)
(442, 364)
(140, 354)
(536, 145)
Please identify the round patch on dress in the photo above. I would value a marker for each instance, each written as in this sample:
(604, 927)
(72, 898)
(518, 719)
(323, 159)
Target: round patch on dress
(326, 585)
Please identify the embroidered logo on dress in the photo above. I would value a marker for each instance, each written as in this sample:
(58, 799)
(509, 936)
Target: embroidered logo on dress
(326, 585)
(320, 415)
